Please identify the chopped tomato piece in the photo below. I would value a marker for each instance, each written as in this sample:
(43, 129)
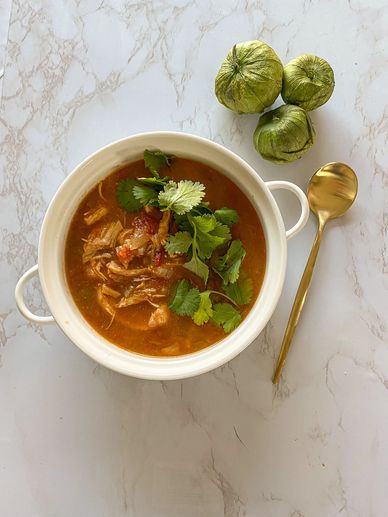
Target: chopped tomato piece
(146, 222)
(124, 254)
(159, 257)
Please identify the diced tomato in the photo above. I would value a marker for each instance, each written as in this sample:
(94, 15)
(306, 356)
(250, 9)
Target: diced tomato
(124, 254)
(146, 223)
(159, 257)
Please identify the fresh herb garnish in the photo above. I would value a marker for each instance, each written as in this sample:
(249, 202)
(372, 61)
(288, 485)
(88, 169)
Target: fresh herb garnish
(125, 195)
(227, 216)
(205, 309)
(228, 266)
(196, 266)
(178, 243)
(188, 301)
(226, 316)
(145, 195)
(209, 234)
(155, 183)
(155, 160)
(241, 291)
(181, 197)
(206, 235)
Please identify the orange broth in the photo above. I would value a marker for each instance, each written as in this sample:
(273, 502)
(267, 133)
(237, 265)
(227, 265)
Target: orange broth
(129, 330)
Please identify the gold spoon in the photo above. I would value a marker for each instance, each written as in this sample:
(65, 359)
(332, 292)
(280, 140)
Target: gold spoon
(331, 192)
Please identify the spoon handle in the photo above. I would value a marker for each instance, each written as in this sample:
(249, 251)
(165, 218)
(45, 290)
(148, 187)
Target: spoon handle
(296, 310)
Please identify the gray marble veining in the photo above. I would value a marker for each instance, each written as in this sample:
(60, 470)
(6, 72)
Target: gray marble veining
(77, 439)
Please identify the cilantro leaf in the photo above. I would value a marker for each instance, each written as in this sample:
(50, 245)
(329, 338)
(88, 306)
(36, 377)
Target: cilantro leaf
(203, 208)
(227, 216)
(155, 183)
(178, 243)
(223, 231)
(228, 266)
(241, 291)
(183, 223)
(145, 195)
(186, 300)
(205, 310)
(204, 223)
(226, 316)
(196, 266)
(205, 234)
(154, 160)
(125, 196)
(181, 197)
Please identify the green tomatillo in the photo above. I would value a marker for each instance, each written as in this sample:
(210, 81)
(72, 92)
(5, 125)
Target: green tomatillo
(284, 134)
(308, 82)
(250, 78)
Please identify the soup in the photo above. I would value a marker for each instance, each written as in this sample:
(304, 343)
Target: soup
(165, 256)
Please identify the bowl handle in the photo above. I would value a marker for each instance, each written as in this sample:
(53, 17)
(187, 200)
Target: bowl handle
(305, 212)
(19, 296)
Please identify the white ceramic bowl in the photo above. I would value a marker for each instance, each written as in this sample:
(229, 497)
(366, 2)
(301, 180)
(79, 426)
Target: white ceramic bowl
(56, 223)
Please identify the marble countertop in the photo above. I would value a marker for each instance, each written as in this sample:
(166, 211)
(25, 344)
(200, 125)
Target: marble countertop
(78, 439)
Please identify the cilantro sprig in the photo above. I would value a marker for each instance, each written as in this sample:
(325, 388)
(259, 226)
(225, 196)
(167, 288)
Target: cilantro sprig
(226, 316)
(155, 160)
(228, 266)
(188, 301)
(181, 197)
(206, 234)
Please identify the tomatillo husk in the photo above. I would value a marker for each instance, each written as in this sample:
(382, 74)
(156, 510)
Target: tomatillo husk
(284, 134)
(250, 78)
(308, 82)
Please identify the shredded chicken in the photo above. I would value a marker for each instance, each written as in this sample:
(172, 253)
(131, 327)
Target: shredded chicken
(116, 269)
(103, 255)
(133, 299)
(163, 227)
(170, 350)
(93, 270)
(95, 214)
(100, 239)
(105, 305)
(124, 235)
(159, 317)
(108, 291)
(100, 191)
(134, 259)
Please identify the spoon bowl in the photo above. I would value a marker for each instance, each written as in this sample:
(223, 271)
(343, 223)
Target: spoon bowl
(332, 190)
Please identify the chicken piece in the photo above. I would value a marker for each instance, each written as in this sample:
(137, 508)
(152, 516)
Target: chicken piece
(101, 239)
(93, 270)
(100, 191)
(108, 291)
(163, 227)
(117, 269)
(159, 317)
(103, 255)
(162, 272)
(105, 304)
(170, 350)
(95, 214)
(133, 299)
(124, 235)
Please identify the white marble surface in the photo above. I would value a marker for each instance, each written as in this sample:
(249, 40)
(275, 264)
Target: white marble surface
(77, 439)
